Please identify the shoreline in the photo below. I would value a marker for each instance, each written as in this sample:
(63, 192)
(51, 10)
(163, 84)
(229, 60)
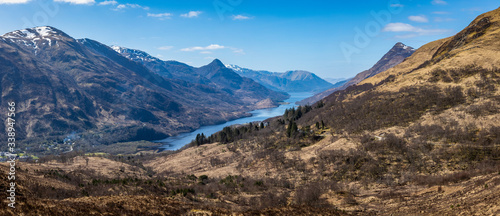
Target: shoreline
(178, 141)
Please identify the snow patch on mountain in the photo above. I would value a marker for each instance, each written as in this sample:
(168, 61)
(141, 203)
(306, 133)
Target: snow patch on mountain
(33, 38)
(133, 54)
(234, 67)
(33, 33)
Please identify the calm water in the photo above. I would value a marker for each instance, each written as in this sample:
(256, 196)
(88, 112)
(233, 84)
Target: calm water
(176, 142)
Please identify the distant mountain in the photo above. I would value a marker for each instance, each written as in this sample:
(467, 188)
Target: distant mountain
(396, 55)
(340, 83)
(335, 80)
(215, 76)
(61, 85)
(291, 81)
(167, 69)
(430, 125)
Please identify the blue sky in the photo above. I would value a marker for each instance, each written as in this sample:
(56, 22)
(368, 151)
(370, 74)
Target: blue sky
(333, 39)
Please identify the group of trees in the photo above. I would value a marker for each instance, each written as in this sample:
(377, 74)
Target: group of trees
(291, 129)
(228, 134)
(292, 115)
(296, 113)
(320, 126)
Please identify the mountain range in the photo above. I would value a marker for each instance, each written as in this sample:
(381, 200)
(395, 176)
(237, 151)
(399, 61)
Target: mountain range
(290, 81)
(420, 138)
(397, 54)
(62, 85)
(214, 75)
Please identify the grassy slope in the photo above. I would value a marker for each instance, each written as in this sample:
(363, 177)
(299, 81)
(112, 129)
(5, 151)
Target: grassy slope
(441, 158)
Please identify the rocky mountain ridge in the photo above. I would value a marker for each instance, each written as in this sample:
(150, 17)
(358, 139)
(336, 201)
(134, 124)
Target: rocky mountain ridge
(397, 54)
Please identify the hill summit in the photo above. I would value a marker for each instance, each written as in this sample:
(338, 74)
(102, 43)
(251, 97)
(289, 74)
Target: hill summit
(393, 57)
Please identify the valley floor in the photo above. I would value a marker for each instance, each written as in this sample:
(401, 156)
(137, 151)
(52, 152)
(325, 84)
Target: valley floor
(191, 182)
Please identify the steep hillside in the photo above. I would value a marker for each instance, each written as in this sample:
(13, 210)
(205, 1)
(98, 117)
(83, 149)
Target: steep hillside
(477, 45)
(290, 81)
(62, 85)
(421, 138)
(396, 55)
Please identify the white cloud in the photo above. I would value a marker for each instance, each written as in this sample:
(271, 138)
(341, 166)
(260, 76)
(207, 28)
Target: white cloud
(87, 2)
(206, 52)
(191, 14)
(397, 5)
(161, 16)
(399, 27)
(404, 27)
(241, 17)
(112, 2)
(439, 2)
(198, 48)
(14, 1)
(125, 6)
(165, 47)
(420, 18)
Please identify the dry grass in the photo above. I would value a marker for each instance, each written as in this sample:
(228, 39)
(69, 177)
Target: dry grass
(196, 160)
(441, 161)
(481, 51)
(98, 165)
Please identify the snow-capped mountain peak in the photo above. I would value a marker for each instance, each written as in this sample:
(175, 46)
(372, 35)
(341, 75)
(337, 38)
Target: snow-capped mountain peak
(118, 49)
(42, 32)
(34, 38)
(133, 54)
(45, 31)
(405, 47)
(234, 67)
